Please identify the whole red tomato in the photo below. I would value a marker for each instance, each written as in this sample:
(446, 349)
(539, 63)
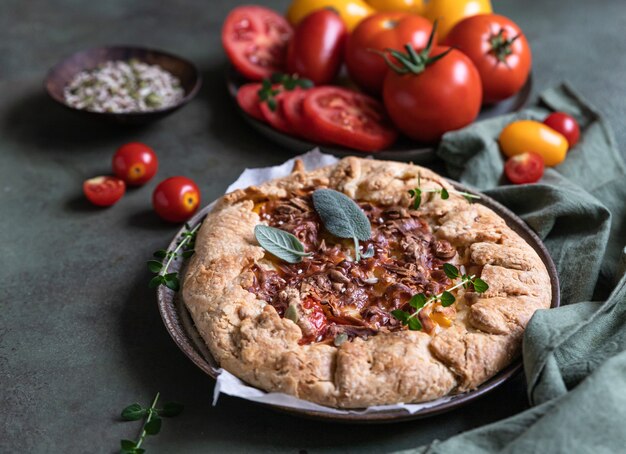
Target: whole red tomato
(135, 163)
(439, 92)
(499, 50)
(566, 125)
(379, 32)
(176, 199)
(316, 49)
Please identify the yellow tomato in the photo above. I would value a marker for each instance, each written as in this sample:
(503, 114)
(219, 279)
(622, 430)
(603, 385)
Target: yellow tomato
(450, 12)
(351, 11)
(411, 6)
(529, 135)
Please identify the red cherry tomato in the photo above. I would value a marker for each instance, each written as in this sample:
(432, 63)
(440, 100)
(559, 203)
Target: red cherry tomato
(317, 320)
(500, 51)
(135, 163)
(316, 49)
(104, 191)
(276, 117)
(379, 32)
(445, 96)
(345, 117)
(176, 199)
(564, 124)
(255, 40)
(248, 100)
(524, 168)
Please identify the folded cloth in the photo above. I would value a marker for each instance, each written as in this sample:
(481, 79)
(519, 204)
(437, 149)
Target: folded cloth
(574, 356)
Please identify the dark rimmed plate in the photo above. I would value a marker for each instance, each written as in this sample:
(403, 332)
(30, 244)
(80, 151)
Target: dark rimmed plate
(180, 326)
(403, 150)
(63, 72)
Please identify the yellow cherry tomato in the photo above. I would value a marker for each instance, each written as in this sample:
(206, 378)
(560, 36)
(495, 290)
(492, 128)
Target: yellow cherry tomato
(351, 11)
(410, 6)
(528, 135)
(450, 12)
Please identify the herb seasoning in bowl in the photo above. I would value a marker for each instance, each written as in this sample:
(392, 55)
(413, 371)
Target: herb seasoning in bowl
(123, 84)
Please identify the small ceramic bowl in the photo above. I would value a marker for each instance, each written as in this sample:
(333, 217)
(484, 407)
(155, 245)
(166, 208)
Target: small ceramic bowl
(62, 74)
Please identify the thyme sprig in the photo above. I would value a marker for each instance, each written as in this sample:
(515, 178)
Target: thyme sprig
(183, 249)
(419, 301)
(151, 424)
(417, 192)
(280, 82)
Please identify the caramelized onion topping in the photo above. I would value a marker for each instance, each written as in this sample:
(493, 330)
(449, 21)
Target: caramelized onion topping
(338, 296)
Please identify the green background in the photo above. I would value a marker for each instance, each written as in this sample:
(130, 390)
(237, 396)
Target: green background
(80, 334)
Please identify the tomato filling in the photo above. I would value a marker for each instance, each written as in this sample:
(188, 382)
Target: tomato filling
(329, 295)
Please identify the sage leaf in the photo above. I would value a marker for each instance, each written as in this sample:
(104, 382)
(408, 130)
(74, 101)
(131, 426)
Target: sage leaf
(480, 286)
(171, 409)
(451, 271)
(133, 412)
(153, 426)
(447, 299)
(342, 217)
(282, 244)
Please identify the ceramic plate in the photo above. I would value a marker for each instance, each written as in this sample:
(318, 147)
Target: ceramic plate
(179, 324)
(403, 150)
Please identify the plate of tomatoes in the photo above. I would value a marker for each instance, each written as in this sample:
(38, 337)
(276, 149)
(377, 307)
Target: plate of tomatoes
(388, 85)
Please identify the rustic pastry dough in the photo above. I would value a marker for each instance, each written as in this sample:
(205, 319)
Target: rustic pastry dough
(383, 365)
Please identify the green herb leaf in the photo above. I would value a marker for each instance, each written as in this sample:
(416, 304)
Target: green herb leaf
(444, 194)
(282, 244)
(369, 252)
(418, 301)
(480, 286)
(417, 197)
(451, 271)
(153, 426)
(127, 445)
(156, 281)
(154, 266)
(291, 313)
(160, 254)
(414, 324)
(189, 253)
(171, 409)
(400, 315)
(171, 281)
(342, 217)
(133, 412)
(447, 299)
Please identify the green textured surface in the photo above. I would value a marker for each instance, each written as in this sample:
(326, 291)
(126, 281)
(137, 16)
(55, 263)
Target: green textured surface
(80, 335)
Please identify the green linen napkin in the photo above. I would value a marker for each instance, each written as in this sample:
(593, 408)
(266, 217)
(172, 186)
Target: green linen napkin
(574, 356)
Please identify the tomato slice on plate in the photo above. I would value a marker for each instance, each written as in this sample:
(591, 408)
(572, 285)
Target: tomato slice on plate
(345, 117)
(276, 118)
(524, 168)
(255, 39)
(104, 191)
(248, 100)
(293, 111)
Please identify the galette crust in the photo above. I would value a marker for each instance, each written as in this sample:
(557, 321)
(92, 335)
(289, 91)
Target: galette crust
(248, 338)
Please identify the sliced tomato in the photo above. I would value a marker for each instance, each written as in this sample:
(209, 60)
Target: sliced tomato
(248, 100)
(524, 168)
(345, 117)
(293, 110)
(255, 39)
(276, 117)
(104, 191)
